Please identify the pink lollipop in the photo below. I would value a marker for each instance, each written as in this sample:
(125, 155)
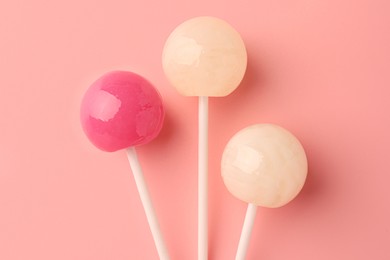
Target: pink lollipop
(121, 110)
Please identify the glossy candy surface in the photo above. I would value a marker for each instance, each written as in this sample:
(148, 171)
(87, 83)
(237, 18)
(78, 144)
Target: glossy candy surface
(265, 165)
(204, 56)
(121, 109)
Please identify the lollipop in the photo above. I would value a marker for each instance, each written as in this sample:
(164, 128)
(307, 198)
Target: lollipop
(263, 165)
(119, 111)
(204, 57)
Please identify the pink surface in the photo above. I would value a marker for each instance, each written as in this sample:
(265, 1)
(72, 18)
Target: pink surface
(317, 68)
(121, 109)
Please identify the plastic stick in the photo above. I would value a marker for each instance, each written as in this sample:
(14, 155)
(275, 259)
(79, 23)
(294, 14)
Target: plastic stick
(203, 179)
(246, 232)
(147, 203)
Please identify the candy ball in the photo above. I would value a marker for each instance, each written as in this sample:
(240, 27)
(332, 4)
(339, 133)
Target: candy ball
(121, 109)
(204, 56)
(265, 165)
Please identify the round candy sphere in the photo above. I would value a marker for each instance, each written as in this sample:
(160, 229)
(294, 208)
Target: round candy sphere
(204, 56)
(121, 109)
(265, 165)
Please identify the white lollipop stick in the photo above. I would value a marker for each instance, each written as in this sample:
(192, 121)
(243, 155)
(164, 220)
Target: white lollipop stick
(203, 179)
(147, 203)
(246, 231)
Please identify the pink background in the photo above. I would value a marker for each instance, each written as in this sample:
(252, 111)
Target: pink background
(317, 68)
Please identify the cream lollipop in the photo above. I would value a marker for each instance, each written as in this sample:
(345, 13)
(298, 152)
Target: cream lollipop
(119, 111)
(204, 57)
(263, 165)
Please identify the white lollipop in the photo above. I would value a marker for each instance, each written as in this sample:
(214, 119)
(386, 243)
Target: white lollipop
(263, 165)
(204, 57)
